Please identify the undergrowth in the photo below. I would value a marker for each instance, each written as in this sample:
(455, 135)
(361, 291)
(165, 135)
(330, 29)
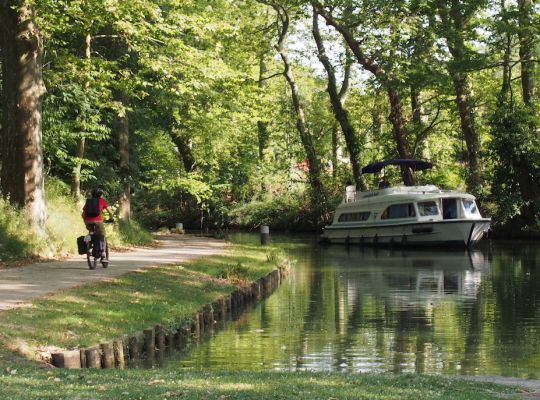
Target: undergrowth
(64, 223)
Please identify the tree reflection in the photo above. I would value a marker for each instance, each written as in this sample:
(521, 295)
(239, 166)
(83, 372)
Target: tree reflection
(397, 311)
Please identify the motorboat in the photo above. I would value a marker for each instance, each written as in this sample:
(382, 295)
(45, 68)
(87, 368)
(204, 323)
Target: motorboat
(406, 215)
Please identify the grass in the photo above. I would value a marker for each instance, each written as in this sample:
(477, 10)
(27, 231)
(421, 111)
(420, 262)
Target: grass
(170, 384)
(169, 294)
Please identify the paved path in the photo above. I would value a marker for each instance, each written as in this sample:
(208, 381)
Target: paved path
(531, 386)
(23, 284)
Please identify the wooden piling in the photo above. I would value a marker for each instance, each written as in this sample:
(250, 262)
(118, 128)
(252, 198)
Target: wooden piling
(160, 337)
(82, 354)
(149, 340)
(93, 358)
(208, 317)
(119, 358)
(134, 348)
(67, 359)
(265, 234)
(107, 355)
(196, 326)
(169, 342)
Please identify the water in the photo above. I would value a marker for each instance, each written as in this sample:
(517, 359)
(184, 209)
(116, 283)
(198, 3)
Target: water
(354, 310)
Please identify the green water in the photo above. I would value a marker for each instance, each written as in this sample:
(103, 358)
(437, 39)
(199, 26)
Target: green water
(355, 310)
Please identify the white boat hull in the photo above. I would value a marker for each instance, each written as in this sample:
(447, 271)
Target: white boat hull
(456, 232)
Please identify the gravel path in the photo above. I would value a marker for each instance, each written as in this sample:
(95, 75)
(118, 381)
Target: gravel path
(20, 285)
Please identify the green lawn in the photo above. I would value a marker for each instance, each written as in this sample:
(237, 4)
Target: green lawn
(169, 384)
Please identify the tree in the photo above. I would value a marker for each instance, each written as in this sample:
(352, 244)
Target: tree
(527, 39)
(456, 25)
(301, 122)
(21, 177)
(385, 78)
(337, 100)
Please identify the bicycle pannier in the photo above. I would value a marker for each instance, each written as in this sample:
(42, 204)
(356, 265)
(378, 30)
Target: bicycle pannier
(82, 246)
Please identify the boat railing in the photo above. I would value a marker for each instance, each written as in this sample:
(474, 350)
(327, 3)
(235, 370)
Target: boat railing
(352, 195)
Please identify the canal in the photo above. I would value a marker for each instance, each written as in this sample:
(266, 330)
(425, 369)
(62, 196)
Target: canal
(401, 311)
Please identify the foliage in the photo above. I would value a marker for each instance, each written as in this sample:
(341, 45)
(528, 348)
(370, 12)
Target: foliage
(514, 147)
(286, 212)
(15, 239)
(195, 82)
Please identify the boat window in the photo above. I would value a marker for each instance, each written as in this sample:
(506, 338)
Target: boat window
(426, 208)
(356, 216)
(449, 208)
(399, 211)
(470, 207)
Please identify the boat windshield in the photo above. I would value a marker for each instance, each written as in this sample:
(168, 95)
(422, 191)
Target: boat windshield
(470, 208)
(427, 208)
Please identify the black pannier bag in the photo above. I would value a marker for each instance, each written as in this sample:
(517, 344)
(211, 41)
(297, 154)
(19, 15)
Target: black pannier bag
(82, 246)
(91, 207)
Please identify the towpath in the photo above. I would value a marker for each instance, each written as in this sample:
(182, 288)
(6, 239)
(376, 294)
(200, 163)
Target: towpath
(18, 286)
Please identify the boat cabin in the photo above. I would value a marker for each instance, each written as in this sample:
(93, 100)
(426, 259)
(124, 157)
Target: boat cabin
(418, 203)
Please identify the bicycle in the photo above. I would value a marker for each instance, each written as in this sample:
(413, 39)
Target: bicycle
(93, 254)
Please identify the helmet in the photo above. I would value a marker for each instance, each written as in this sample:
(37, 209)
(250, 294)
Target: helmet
(97, 192)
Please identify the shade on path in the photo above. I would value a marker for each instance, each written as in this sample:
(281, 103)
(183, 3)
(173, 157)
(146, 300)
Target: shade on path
(20, 285)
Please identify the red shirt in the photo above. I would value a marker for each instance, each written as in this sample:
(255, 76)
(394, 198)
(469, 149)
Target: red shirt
(102, 205)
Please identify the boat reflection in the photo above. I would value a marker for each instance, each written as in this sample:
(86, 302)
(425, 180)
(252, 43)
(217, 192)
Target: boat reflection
(407, 278)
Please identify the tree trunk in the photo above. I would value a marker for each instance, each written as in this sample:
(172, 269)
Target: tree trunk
(262, 126)
(526, 50)
(303, 130)
(76, 179)
(453, 20)
(341, 114)
(334, 148)
(183, 145)
(22, 177)
(124, 168)
(396, 111)
(468, 128)
(301, 125)
(416, 108)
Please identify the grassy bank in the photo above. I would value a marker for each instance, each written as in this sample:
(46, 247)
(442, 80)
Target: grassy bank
(169, 295)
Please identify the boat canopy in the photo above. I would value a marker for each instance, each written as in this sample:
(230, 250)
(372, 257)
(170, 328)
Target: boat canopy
(415, 165)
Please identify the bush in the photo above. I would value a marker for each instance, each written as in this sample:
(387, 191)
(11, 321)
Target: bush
(289, 212)
(16, 240)
(128, 233)
(236, 272)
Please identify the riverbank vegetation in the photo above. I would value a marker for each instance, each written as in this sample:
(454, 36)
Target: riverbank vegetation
(225, 116)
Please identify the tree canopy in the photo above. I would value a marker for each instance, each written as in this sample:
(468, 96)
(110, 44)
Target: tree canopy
(224, 113)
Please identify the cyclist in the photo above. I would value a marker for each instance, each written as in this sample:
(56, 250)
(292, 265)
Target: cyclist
(93, 217)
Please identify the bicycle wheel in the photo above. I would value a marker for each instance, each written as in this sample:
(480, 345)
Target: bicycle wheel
(92, 261)
(105, 261)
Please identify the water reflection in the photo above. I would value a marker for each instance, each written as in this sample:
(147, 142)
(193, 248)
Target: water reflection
(400, 311)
